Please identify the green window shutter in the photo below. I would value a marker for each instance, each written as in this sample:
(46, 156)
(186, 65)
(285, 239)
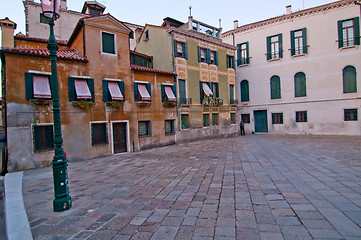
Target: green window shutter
(199, 54)
(275, 88)
(349, 79)
(247, 52)
(71, 88)
(185, 51)
(208, 56)
(233, 62)
(121, 87)
(136, 96)
(305, 116)
(201, 91)
(300, 85)
(162, 89)
(280, 47)
(216, 57)
(217, 89)
(108, 43)
(174, 89)
(105, 91)
(182, 90)
(304, 39)
(149, 89)
(175, 48)
(269, 54)
(244, 91)
(293, 47)
(29, 93)
(356, 26)
(91, 88)
(231, 92)
(340, 34)
(238, 54)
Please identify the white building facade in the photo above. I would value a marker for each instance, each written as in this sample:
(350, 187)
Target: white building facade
(300, 73)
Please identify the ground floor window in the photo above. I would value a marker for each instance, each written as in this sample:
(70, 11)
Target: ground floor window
(169, 127)
(277, 118)
(43, 137)
(350, 114)
(184, 121)
(205, 120)
(144, 128)
(246, 118)
(233, 118)
(301, 116)
(214, 119)
(99, 133)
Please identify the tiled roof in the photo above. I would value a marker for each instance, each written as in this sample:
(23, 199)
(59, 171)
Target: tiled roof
(152, 70)
(62, 54)
(42, 40)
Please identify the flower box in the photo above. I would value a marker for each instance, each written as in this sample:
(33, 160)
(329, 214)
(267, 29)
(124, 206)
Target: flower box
(83, 104)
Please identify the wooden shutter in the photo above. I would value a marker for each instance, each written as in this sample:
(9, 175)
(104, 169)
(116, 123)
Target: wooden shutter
(208, 56)
(149, 89)
(71, 89)
(136, 95)
(300, 85)
(280, 47)
(105, 91)
(340, 34)
(233, 62)
(356, 26)
(90, 83)
(185, 51)
(349, 79)
(231, 93)
(121, 87)
(162, 89)
(201, 91)
(182, 90)
(269, 54)
(247, 53)
(175, 48)
(216, 57)
(174, 89)
(239, 54)
(304, 39)
(216, 94)
(199, 54)
(275, 87)
(108, 43)
(293, 47)
(244, 91)
(29, 94)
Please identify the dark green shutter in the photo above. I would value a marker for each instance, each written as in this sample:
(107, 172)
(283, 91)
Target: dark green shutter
(201, 91)
(233, 62)
(216, 58)
(275, 88)
(280, 47)
(199, 54)
(231, 93)
(239, 54)
(91, 88)
(269, 54)
(121, 87)
(149, 89)
(293, 47)
(304, 39)
(217, 90)
(244, 91)
(185, 51)
(105, 91)
(174, 89)
(356, 26)
(162, 89)
(349, 80)
(340, 34)
(108, 43)
(247, 53)
(182, 90)
(136, 96)
(29, 93)
(208, 56)
(71, 89)
(300, 85)
(175, 48)
(305, 116)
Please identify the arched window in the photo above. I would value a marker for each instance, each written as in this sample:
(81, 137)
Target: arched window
(275, 87)
(244, 91)
(349, 79)
(300, 84)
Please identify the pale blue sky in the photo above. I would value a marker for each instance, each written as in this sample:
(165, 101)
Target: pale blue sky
(152, 12)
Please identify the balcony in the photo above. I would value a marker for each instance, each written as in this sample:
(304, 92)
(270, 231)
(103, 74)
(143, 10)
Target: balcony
(212, 101)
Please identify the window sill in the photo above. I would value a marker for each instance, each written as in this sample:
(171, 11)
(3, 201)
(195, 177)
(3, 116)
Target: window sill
(109, 54)
(44, 151)
(142, 103)
(100, 145)
(145, 136)
(349, 47)
(274, 59)
(299, 55)
(243, 65)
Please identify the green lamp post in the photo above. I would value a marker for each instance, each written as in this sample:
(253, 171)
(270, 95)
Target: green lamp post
(62, 199)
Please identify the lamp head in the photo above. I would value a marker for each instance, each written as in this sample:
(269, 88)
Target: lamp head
(51, 8)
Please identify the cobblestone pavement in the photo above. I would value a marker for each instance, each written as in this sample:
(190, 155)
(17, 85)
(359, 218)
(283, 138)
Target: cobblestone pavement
(244, 187)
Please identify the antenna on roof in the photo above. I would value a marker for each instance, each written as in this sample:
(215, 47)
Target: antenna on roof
(190, 11)
(220, 23)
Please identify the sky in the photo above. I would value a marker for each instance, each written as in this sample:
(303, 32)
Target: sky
(142, 12)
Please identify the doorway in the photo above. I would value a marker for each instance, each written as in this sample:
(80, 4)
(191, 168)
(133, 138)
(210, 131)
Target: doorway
(260, 121)
(120, 137)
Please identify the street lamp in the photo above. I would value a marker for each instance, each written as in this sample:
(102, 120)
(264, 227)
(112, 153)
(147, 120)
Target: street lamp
(62, 199)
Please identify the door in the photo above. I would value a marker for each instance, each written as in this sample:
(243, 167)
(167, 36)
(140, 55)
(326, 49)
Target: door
(260, 121)
(119, 137)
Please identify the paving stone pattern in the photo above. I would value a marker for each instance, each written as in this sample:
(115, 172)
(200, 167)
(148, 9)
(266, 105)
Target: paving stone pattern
(243, 187)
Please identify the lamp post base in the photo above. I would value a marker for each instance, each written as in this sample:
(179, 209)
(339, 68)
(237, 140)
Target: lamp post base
(62, 204)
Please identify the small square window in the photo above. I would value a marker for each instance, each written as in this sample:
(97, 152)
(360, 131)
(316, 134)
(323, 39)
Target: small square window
(144, 129)
(301, 116)
(246, 118)
(108, 43)
(169, 127)
(350, 114)
(230, 61)
(43, 138)
(99, 134)
(277, 118)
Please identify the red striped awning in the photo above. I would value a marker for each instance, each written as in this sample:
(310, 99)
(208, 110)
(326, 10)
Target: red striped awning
(82, 89)
(169, 93)
(41, 86)
(114, 90)
(143, 92)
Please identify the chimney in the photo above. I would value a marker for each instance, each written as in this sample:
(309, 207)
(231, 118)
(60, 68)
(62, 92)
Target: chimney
(63, 4)
(7, 33)
(235, 24)
(289, 9)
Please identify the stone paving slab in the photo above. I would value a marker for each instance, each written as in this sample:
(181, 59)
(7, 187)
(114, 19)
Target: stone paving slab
(243, 187)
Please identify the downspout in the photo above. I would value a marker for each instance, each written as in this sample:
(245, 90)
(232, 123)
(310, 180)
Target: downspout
(173, 69)
(4, 115)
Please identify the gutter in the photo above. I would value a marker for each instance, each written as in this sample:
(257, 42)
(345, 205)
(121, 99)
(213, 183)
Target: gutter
(4, 167)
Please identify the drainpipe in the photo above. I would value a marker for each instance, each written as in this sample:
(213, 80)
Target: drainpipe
(4, 166)
(173, 69)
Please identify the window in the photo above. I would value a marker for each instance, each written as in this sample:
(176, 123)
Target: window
(202, 55)
(140, 61)
(99, 133)
(205, 120)
(168, 92)
(274, 47)
(182, 91)
(301, 116)
(43, 137)
(144, 129)
(205, 90)
(215, 89)
(230, 61)
(298, 42)
(113, 90)
(180, 49)
(243, 54)
(349, 79)
(214, 119)
(94, 12)
(300, 84)
(233, 118)
(244, 91)
(348, 32)
(277, 118)
(108, 43)
(37, 86)
(214, 58)
(275, 87)
(231, 94)
(184, 121)
(246, 118)
(80, 88)
(131, 35)
(142, 92)
(146, 35)
(350, 114)
(169, 127)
